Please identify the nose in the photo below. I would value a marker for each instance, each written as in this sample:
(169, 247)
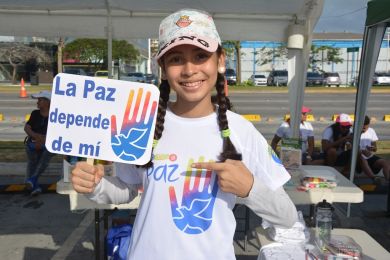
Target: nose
(188, 69)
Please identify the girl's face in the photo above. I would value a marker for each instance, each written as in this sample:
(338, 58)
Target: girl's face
(192, 74)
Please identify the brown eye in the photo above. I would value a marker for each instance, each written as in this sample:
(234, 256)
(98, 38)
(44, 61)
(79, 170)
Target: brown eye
(174, 59)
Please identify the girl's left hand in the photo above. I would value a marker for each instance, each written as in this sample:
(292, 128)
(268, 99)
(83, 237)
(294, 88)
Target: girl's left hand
(233, 176)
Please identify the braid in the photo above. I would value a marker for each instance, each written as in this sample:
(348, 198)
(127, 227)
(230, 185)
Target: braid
(229, 151)
(162, 109)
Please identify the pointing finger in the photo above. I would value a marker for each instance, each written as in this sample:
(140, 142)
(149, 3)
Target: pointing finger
(214, 166)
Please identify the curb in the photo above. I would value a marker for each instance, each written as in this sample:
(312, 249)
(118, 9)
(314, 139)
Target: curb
(21, 188)
(249, 117)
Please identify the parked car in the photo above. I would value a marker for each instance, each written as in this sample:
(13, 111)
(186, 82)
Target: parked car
(277, 78)
(151, 79)
(231, 77)
(258, 80)
(101, 74)
(314, 79)
(75, 71)
(381, 78)
(332, 78)
(134, 76)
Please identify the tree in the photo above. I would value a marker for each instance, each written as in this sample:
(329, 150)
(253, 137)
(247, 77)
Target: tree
(234, 48)
(268, 55)
(317, 54)
(17, 54)
(94, 51)
(323, 54)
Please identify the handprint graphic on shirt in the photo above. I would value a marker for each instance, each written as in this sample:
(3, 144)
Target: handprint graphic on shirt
(130, 143)
(194, 215)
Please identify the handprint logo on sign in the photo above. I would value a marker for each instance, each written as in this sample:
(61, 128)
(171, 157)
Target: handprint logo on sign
(194, 215)
(130, 143)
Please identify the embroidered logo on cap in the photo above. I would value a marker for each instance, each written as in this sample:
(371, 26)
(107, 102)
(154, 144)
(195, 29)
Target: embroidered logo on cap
(183, 21)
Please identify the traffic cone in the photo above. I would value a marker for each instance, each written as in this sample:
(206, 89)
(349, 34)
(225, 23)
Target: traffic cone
(23, 92)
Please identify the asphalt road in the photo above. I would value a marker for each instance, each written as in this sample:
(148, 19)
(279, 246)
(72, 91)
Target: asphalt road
(271, 106)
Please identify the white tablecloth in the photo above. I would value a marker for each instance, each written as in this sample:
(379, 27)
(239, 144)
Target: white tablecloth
(345, 192)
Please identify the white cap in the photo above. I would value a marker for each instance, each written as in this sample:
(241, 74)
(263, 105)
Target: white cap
(188, 26)
(43, 94)
(344, 120)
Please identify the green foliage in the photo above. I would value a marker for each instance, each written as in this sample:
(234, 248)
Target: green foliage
(95, 51)
(268, 54)
(248, 83)
(322, 54)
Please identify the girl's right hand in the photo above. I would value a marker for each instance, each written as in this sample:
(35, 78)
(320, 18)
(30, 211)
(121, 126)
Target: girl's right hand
(85, 177)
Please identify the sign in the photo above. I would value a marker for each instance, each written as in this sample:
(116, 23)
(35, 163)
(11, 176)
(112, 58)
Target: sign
(102, 118)
(291, 153)
(353, 49)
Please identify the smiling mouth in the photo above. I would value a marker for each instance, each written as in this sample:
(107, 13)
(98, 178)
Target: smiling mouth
(192, 85)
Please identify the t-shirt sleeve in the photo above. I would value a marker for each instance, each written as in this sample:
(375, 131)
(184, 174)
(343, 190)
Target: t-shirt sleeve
(374, 137)
(327, 134)
(309, 128)
(281, 131)
(33, 118)
(263, 162)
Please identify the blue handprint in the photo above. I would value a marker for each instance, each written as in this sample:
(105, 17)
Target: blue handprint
(194, 216)
(130, 144)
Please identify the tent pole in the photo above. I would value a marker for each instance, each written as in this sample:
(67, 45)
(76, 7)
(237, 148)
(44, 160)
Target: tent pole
(109, 39)
(373, 38)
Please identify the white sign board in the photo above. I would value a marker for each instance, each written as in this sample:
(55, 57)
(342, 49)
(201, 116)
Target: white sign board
(102, 118)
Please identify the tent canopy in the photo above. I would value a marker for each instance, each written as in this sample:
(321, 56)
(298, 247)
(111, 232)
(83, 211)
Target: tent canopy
(235, 20)
(290, 21)
(378, 12)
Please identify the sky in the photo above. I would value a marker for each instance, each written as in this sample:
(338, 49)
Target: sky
(342, 16)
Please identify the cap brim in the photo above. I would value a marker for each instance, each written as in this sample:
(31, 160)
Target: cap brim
(39, 96)
(204, 43)
(345, 123)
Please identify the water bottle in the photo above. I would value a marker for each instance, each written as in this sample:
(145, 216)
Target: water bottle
(323, 223)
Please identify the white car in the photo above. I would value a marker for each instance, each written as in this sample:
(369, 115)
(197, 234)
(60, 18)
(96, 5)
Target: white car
(381, 79)
(258, 80)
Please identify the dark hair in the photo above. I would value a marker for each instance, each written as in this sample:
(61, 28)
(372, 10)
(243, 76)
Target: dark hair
(228, 150)
(366, 120)
(336, 131)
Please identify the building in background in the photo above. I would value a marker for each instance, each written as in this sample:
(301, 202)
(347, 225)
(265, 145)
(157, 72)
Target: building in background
(349, 45)
(257, 57)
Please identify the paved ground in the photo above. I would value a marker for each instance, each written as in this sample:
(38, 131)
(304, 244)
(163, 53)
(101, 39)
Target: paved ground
(44, 228)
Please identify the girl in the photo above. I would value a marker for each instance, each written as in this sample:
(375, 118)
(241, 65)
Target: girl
(306, 134)
(204, 157)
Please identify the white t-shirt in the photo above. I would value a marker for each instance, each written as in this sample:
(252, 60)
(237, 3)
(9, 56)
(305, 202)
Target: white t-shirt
(366, 139)
(305, 131)
(183, 214)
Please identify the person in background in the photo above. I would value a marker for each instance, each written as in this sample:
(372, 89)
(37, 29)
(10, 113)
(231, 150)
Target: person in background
(216, 157)
(306, 134)
(336, 143)
(371, 164)
(37, 155)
